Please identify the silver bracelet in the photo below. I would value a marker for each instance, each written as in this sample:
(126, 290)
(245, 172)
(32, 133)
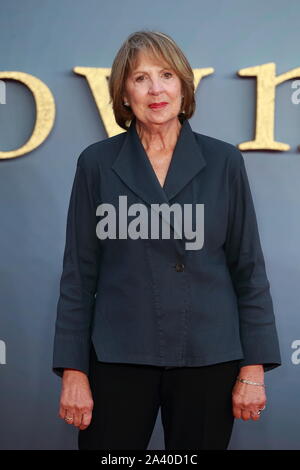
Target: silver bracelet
(249, 382)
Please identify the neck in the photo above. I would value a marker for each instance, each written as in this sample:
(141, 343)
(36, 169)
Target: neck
(159, 137)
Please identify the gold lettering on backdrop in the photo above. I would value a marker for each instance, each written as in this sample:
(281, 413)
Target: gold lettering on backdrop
(265, 105)
(45, 112)
(97, 79)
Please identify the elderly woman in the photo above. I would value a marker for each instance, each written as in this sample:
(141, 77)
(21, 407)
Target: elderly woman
(149, 321)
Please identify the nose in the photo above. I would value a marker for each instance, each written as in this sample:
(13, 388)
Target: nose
(156, 86)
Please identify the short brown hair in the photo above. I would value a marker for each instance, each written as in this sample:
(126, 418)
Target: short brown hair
(161, 46)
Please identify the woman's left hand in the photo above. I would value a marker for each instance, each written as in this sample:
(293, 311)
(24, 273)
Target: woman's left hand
(247, 399)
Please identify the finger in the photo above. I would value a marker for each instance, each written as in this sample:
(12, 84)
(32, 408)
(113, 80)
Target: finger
(237, 411)
(77, 418)
(255, 416)
(61, 412)
(86, 420)
(245, 414)
(69, 414)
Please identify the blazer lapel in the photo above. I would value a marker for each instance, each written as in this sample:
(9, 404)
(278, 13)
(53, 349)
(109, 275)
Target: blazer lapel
(135, 169)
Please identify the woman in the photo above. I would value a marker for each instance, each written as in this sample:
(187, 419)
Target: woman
(154, 321)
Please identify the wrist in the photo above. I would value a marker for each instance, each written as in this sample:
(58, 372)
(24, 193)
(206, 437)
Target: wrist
(252, 372)
(72, 372)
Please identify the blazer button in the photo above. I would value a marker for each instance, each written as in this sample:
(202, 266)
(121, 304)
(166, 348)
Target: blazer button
(179, 267)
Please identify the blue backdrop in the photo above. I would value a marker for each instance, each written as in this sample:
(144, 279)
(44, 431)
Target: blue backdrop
(48, 39)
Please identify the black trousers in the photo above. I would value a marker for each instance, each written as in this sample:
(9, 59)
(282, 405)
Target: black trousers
(195, 403)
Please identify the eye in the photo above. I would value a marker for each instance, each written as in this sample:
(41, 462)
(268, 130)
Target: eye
(138, 78)
(168, 73)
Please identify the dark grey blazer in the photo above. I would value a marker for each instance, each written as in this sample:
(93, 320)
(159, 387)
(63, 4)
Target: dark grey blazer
(152, 301)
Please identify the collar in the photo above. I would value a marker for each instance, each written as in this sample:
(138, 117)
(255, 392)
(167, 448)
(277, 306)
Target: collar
(135, 169)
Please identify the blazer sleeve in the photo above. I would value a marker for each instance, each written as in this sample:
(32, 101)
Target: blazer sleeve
(78, 282)
(246, 264)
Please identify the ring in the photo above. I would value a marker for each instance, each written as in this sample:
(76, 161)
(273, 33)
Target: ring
(259, 411)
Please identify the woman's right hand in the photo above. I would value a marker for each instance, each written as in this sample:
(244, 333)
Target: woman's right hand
(76, 400)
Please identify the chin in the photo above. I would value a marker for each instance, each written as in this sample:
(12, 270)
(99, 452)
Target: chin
(162, 119)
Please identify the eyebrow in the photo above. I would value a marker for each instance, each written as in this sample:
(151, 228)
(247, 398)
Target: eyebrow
(142, 71)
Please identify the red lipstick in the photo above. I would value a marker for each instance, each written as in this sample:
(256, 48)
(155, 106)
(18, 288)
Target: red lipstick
(158, 105)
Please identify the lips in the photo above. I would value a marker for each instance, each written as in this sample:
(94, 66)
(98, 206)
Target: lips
(158, 105)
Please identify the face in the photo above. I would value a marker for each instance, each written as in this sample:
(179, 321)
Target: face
(152, 82)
